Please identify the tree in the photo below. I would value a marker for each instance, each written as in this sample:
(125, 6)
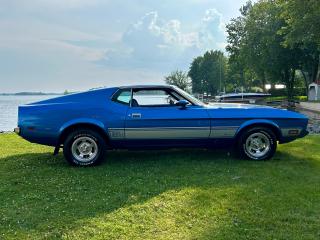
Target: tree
(279, 63)
(303, 30)
(196, 75)
(179, 79)
(237, 59)
(257, 40)
(208, 73)
(302, 18)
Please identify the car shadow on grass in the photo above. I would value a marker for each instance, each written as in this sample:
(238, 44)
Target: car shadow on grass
(44, 197)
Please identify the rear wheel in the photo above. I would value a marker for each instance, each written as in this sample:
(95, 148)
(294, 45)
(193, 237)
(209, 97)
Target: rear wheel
(84, 147)
(257, 143)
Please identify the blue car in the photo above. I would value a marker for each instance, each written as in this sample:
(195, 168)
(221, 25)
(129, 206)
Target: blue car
(86, 124)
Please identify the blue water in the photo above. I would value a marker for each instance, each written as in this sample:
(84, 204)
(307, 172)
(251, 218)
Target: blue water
(9, 109)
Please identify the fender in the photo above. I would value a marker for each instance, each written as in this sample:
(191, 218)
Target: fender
(76, 121)
(82, 121)
(256, 122)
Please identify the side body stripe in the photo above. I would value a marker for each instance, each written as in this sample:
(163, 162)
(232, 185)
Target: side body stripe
(173, 132)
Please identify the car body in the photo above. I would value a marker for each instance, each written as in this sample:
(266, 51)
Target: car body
(142, 117)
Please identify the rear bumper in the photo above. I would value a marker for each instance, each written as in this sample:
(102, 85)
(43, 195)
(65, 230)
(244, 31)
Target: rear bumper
(17, 130)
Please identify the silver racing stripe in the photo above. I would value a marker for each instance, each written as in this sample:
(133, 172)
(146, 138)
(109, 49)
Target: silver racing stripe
(223, 131)
(167, 133)
(116, 133)
(173, 132)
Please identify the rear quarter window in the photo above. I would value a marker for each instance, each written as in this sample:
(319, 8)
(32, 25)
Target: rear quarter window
(122, 96)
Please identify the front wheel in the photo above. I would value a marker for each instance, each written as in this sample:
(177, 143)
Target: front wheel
(257, 144)
(84, 148)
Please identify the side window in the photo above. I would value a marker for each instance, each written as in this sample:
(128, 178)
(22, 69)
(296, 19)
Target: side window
(123, 96)
(153, 97)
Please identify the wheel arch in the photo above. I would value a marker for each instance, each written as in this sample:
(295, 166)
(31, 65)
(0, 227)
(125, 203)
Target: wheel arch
(92, 125)
(262, 123)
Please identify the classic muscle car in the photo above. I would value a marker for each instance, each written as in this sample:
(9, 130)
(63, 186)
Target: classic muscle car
(86, 124)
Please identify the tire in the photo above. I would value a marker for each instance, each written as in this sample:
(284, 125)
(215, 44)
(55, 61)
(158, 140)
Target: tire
(258, 143)
(84, 147)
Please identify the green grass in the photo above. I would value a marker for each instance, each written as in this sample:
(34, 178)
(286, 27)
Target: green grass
(282, 98)
(176, 194)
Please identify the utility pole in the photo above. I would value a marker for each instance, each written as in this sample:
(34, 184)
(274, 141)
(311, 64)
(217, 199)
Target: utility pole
(220, 73)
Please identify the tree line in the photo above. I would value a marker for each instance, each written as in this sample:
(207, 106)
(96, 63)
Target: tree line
(271, 42)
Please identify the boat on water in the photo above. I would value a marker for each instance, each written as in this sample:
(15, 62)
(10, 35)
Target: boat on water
(242, 97)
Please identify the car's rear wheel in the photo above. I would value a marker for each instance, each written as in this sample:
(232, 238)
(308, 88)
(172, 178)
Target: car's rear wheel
(257, 143)
(84, 147)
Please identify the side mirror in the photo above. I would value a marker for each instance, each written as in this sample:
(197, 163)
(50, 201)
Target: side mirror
(182, 103)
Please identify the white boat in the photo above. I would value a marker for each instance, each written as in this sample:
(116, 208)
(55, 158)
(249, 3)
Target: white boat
(242, 97)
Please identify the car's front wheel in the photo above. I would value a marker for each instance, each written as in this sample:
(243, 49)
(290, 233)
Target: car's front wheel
(84, 147)
(257, 143)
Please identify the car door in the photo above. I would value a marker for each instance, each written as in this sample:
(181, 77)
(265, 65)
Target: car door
(153, 118)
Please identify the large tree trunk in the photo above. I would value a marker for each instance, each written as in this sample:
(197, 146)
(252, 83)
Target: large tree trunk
(243, 82)
(263, 79)
(315, 69)
(292, 78)
(306, 82)
(289, 77)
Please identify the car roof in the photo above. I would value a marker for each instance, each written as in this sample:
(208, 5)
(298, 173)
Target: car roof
(147, 86)
(131, 86)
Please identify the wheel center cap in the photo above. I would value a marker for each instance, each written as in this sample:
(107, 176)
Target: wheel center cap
(84, 148)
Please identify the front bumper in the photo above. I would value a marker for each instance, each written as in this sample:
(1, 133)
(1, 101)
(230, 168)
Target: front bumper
(303, 133)
(289, 138)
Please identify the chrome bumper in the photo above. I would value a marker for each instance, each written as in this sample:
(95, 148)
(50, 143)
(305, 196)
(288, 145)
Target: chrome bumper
(17, 130)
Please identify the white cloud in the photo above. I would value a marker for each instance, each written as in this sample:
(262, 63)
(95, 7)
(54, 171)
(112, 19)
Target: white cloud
(162, 45)
(79, 44)
(168, 32)
(212, 32)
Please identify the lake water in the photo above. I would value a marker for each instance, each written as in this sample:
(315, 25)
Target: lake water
(9, 109)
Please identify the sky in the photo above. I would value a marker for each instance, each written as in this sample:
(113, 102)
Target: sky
(75, 45)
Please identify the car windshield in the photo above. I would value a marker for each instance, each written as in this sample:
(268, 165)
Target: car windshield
(189, 96)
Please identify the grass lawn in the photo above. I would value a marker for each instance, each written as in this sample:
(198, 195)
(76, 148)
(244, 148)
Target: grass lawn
(282, 98)
(176, 194)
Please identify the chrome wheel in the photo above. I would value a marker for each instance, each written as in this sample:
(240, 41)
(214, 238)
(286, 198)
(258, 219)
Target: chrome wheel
(257, 145)
(84, 149)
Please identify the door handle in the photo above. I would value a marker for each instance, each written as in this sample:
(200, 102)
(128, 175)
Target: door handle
(136, 115)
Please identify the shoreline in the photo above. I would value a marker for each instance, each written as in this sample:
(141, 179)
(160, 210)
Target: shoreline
(3, 132)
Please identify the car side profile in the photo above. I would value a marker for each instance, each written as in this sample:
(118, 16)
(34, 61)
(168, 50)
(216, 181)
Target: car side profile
(87, 124)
